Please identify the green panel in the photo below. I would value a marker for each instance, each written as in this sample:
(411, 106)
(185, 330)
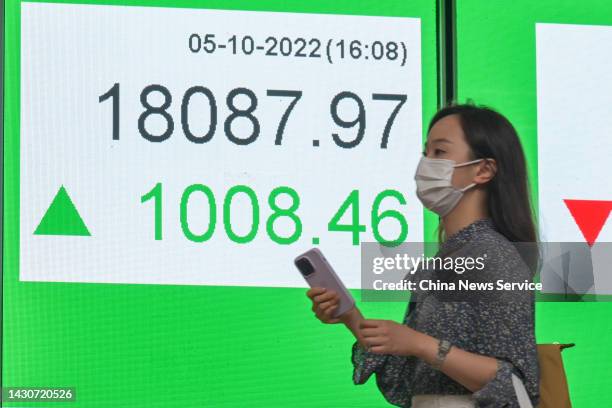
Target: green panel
(172, 345)
(497, 67)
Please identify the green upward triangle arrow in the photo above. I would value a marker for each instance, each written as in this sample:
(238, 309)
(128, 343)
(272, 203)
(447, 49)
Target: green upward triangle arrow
(62, 218)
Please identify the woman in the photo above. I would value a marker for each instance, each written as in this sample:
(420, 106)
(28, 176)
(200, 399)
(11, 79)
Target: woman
(479, 352)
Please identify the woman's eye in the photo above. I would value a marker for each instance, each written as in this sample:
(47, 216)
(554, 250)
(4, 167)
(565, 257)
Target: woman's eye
(438, 152)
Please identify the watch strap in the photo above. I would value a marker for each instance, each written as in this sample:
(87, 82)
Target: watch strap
(443, 348)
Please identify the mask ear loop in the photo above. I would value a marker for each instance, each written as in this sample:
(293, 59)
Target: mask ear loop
(468, 163)
(464, 189)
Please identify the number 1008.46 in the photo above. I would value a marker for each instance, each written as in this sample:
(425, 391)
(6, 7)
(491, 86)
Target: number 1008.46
(291, 212)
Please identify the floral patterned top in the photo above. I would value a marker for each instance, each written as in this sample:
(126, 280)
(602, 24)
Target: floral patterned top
(502, 328)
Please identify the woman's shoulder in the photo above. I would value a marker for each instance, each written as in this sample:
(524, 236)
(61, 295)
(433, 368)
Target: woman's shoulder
(501, 258)
(494, 241)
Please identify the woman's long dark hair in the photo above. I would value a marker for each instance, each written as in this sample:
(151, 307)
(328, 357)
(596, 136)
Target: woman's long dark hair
(490, 135)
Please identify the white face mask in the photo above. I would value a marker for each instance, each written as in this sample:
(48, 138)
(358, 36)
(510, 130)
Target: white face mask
(434, 187)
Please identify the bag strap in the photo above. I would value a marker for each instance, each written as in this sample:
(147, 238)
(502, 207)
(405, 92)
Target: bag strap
(521, 392)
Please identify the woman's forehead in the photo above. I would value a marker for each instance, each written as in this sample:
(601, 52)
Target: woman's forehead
(449, 123)
(449, 128)
(446, 131)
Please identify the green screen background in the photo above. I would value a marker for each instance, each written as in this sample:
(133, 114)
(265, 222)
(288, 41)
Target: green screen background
(496, 60)
(171, 345)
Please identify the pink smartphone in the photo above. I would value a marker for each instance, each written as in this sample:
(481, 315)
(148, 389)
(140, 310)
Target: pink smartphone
(318, 272)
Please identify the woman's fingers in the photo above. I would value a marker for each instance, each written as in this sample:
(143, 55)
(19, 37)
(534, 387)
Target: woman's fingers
(314, 291)
(324, 303)
(377, 349)
(319, 295)
(330, 310)
(326, 316)
(374, 341)
(329, 303)
(326, 310)
(370, 323)
(370, 332)
(325, 296)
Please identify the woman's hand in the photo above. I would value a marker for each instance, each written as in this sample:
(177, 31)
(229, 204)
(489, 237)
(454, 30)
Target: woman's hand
(324, 304)
(389, 337)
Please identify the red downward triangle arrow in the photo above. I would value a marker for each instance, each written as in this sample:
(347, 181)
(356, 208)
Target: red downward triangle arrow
(590, 216)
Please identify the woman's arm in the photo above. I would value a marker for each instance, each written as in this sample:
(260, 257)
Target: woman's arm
(471, 370)
(352, 320)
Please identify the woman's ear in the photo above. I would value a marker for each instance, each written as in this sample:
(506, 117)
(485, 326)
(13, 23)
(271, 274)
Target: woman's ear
(486, 171)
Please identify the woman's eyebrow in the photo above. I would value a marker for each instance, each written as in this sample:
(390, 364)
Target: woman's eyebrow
(440, 140)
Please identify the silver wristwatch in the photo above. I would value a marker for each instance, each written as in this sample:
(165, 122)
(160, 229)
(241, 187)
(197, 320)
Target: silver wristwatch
(443, 349)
